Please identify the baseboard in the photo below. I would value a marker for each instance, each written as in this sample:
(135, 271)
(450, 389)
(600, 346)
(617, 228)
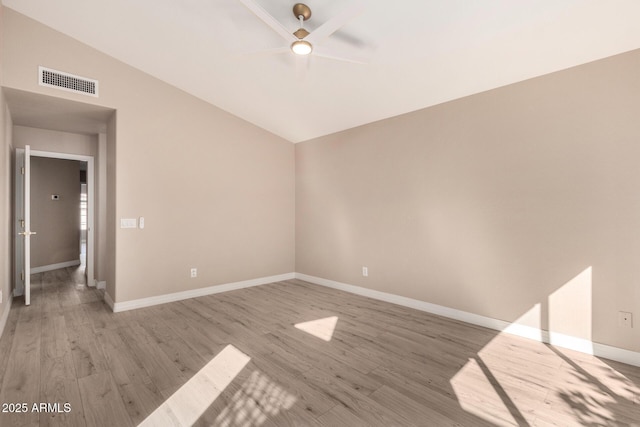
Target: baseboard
(553, 338)
(102, 284)
(5, 314)
(615, 353)
(178, 296)
(51, 267)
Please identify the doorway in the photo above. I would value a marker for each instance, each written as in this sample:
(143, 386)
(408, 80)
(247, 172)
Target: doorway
(82, 169)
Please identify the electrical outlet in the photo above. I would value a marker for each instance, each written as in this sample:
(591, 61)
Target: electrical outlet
(194, 272)
(625, 319)
(365, 271)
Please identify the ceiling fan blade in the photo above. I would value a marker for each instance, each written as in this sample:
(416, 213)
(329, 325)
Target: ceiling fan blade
(302, 66)
(269, 20)
(332, 25)
(273, 51)
(338, 56)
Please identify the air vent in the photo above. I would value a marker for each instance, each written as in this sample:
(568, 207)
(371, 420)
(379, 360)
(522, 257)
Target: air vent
(68, 82)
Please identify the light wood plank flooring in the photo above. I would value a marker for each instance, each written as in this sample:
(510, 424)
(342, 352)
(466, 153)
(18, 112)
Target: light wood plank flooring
(289, 353)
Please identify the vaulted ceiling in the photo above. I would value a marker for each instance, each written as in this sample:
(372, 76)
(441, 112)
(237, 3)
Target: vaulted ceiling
(415, 53)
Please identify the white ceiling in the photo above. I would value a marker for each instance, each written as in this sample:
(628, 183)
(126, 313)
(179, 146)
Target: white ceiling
(419, 52)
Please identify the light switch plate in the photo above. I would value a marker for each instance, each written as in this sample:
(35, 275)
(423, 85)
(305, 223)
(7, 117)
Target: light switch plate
(128, 223)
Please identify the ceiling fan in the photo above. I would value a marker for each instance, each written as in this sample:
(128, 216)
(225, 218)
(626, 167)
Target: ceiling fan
(302, 42)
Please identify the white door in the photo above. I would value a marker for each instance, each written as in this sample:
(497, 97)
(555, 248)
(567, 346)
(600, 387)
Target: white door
(25, 226)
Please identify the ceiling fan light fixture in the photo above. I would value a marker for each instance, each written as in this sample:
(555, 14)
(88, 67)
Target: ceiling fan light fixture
(301, 47)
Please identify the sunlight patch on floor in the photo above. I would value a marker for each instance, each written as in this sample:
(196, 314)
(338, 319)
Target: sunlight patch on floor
(478, 396)
(320, 328)
(258, 398)
(589, 407)
(496, 384)
(191, 400)
(596, 393)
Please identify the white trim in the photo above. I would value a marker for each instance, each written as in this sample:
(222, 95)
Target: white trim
(62, 156)
(615, 353)
(193, 293)
(101, 284)
(50, 267)
(540, 335)
(574, 343)
(5, 314)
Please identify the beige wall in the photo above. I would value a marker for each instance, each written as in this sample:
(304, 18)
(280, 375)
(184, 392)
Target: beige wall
(5, 207)
(521, 201)
(5, 193)
(57, 222)
(5, 223)
(55, 141)
(100, 206)
(110, 243)
(217, 193)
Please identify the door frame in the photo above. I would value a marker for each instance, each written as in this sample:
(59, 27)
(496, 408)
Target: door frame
(90, 255)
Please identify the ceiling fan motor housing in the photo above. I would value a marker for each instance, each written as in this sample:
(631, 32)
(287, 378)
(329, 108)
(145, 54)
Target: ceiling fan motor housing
(300, 9)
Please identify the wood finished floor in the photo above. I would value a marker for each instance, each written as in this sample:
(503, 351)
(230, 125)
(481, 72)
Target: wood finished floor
(237, 359)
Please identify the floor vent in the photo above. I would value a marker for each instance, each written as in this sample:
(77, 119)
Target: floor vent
(68, 82)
